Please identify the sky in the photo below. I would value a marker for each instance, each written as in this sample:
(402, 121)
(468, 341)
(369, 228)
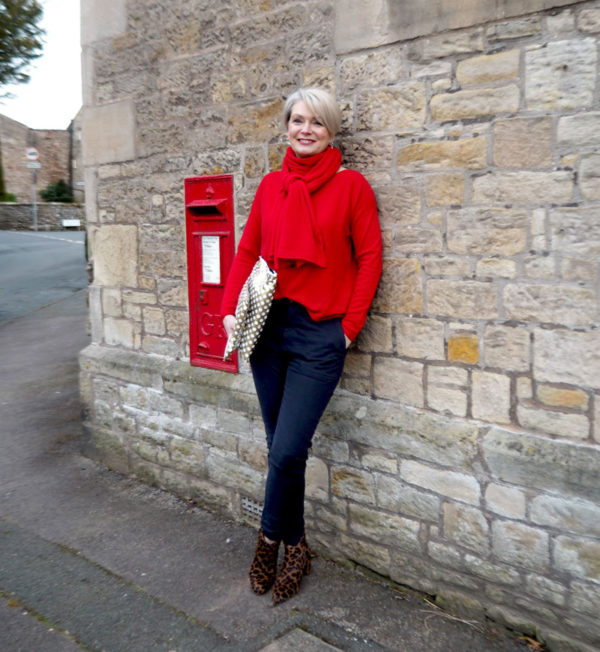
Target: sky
(52, 97)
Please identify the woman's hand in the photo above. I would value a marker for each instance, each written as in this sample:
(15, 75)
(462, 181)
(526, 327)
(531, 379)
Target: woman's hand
(229, 324)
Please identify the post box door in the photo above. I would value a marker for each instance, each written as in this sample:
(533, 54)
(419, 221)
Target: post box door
(210, 252)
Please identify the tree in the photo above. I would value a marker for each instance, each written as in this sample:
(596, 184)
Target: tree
(20, 38)
(58, 191)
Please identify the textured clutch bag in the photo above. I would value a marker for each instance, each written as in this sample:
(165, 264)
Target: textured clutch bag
(252, 309)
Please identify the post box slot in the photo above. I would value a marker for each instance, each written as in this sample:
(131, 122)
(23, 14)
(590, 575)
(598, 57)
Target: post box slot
(212, 207)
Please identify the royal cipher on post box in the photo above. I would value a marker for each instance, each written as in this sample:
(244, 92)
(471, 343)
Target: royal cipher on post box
(210, 252)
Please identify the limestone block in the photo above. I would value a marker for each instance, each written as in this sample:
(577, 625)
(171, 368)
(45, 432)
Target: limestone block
(463, 348)
(585, 597)
(444, 189)
(577, 269)
(596, 433)
(400, 289)
(521, 545)
(376, 335)
(317, 479)
(558, 397)
(449, 376)
(589, 20)
(111, 302)
(576, 231)
(496, 268)
(109, 133)
(161, 346)
(506, 501)
(540, 267)
(415, 240)
(507, 347)
(399, 380)
(488, 68)
(353, 483)
(154, 320)
(419, 338)
(545, 589)
(230, 473)
(440, 46)
(571, 426)
(400, 108)
(579, 130)
(187, 456)
(523, 142)
(447, 399)
(115, 255)
(418, 504)
(535, 461)
(255, 123)
(491, 397)
(385, 462)
(567, 305)
(445, 554)
(376, 68)
(523, 187)
(578, 557)
(467, 527)
(470, 104)
(403, 430)
(589, 176)
(456, 486)
(447, 266)
(364, 552)
(470, 153)
(560, 76)
(487, 231)
(172, 293)
(461, 299)
(524, 388)
(399, 203)
(513, 29)
(386, 529)
(492, 572)
(568, 515)
(99, 21)
(367, 153)
(118, 332)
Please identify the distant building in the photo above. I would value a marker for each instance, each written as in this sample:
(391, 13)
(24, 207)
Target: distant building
(60, 151)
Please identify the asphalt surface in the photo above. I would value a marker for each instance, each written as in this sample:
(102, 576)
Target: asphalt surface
(93, 560)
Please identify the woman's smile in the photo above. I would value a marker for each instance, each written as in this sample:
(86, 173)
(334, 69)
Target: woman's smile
(307, 134)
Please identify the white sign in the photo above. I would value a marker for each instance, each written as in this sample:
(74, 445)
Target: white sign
(31, 154)
(211, 259)
(34, 165)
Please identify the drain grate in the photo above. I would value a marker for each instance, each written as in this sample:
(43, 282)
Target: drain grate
(251, 509)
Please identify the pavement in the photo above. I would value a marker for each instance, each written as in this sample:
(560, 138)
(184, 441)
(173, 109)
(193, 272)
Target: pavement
(90, 559)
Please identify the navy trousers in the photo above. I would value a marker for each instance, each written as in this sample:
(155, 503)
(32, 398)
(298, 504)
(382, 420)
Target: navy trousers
(296, 365)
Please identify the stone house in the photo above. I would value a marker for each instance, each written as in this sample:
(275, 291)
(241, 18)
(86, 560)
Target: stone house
(461, 454)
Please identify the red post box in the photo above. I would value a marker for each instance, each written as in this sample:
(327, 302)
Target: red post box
(210, 252)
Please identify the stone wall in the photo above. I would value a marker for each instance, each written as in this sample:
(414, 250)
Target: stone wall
(54, 146)
(461, 454)
(50, 216)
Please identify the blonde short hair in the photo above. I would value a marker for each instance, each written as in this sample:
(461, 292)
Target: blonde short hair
(321, 103)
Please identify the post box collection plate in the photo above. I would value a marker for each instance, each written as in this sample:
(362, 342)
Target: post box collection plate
(210, 250)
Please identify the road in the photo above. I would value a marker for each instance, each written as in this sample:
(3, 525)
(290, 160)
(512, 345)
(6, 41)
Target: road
(39, 268)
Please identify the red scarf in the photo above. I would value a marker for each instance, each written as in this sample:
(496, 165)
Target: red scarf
(297, 236)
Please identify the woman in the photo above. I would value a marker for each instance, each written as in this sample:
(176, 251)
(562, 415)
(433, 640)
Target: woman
(316, 224)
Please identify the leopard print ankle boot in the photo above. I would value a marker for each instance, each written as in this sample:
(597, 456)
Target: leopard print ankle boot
(296, 564)
(264, 565)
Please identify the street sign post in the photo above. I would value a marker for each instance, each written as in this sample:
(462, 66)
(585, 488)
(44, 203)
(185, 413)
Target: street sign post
(32, 156)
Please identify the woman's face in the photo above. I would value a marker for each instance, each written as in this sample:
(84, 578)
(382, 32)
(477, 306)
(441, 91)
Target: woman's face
(307, 134)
